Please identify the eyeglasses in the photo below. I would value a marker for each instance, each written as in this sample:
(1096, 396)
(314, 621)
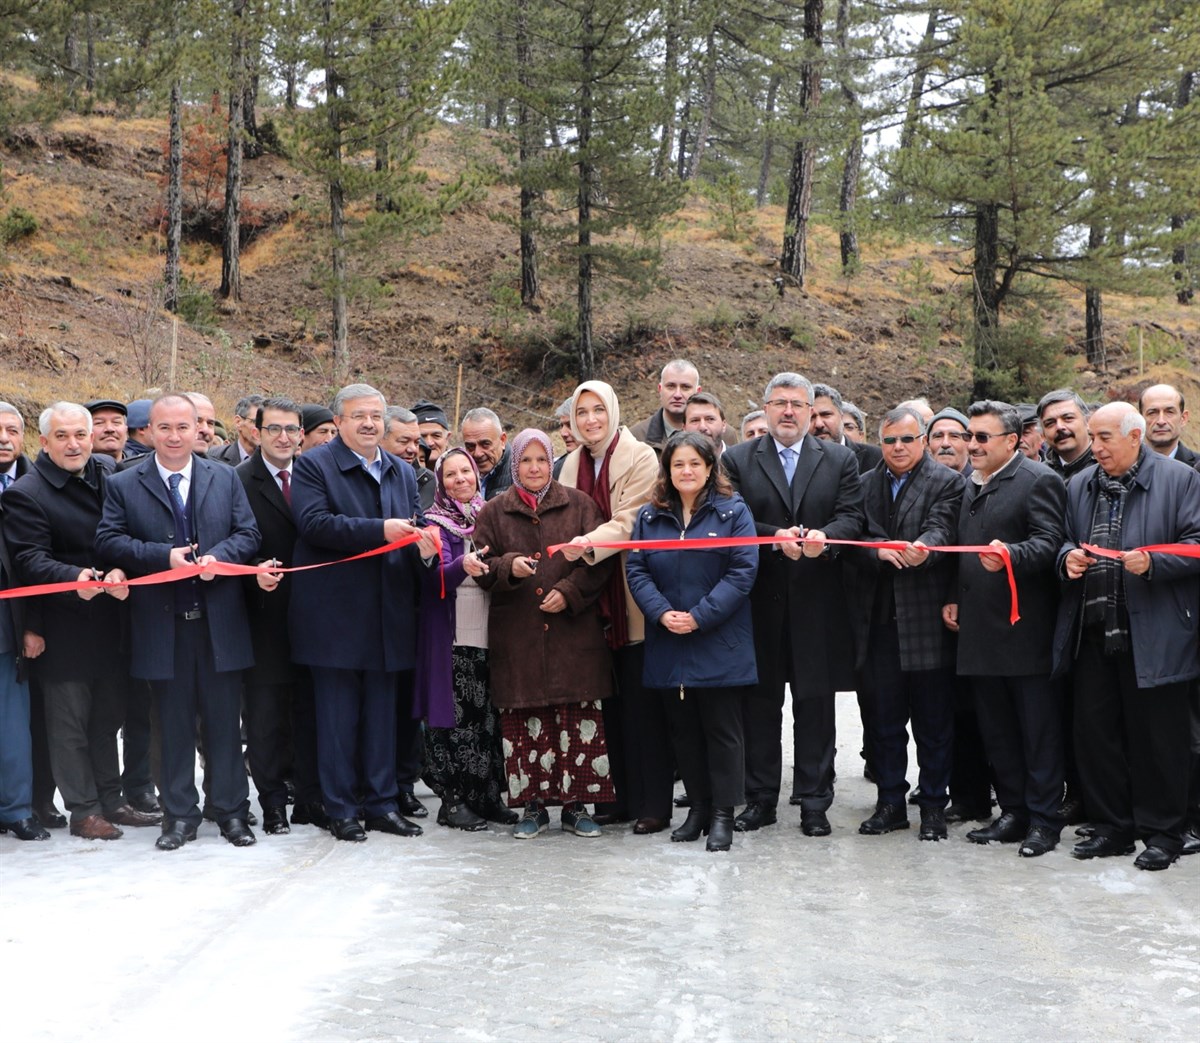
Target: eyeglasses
(982, 437)
(795, 404)
(275, 430)
(358, 418)
(902, 439)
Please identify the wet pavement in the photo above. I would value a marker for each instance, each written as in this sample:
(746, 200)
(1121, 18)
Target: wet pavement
(475, 936)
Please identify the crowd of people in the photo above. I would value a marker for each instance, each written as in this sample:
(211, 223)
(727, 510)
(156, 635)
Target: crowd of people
(525, 630)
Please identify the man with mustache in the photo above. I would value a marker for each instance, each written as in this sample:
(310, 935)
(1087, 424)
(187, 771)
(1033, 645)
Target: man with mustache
(1063, 416)
(948, 440)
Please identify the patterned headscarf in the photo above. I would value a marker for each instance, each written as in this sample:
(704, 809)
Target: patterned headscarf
(519, 444)
(449, 513)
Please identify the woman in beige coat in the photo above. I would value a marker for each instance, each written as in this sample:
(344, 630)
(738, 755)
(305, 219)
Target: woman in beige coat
(618, 472)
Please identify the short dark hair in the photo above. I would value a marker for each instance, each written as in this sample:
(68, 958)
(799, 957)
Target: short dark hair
(663, 494)
(898, 416)
(831, 393)
(1009, 416)
(1062, 395)
(247, 406)
(284, 405)
(705, 398)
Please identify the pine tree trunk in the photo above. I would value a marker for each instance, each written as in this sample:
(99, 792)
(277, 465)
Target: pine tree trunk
(768, 149)
(527, 145)
(231, 232)
(337, 208)
(584, 349)
(710, 100)
(804, 156)
(1093, 309)
(666, 138)
(986, 297)
(174, 200)
(852, 164)
(252, 146)
(90, 28)
(912, 116)
(1185, 288)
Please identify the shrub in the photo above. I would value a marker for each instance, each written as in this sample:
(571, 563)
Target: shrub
(17, 224)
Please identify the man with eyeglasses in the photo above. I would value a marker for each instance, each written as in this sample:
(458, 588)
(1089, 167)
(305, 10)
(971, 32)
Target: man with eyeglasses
(796, 485)
(1012, 502)
(349, 496)
(905, 655)
(281, 740)
(854, 422)
(828, 424)
(1063, 416)
(484, 437)
(241, 448)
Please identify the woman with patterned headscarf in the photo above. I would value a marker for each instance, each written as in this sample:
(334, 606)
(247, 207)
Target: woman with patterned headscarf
(550, 665)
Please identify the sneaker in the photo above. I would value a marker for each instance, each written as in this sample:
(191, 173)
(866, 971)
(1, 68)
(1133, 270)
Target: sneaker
(535, 820)
(575, 819)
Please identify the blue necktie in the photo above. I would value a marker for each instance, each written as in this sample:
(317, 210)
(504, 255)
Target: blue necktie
(789, 463)
(5, 481)
(179, 509)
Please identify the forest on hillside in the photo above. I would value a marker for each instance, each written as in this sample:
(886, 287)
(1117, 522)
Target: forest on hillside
(1053, 142)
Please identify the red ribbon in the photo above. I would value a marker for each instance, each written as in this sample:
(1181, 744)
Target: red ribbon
(216, 568)
(763, 541)
(1183, 550)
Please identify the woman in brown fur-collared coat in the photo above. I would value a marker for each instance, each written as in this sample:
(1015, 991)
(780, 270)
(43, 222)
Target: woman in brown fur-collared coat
(550, 665)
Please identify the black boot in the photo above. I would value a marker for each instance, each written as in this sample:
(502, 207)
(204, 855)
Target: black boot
(720, 829)
(695, 823)
(455, 813)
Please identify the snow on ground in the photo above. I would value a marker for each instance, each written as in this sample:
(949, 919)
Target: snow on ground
(475, 937)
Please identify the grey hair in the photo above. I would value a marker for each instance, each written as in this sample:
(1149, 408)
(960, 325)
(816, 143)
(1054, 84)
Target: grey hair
(789, 380)
(1009, 416)
(565, 409)
(7, 408)
(900, 414)
(917, 403)
(66, 409)
(474, 416)
(753, 415)
(1061, 395)
(856, 413)
(1133, 419)
(831, 393)
(679, 364)
(352, 391)
(398, 415)
(247, 405)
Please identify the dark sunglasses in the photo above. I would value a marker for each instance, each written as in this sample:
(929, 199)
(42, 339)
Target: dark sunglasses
(903, 439)
(982, 437)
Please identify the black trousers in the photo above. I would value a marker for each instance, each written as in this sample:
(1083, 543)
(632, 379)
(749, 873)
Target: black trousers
(706, 735)
(136, 776)
(639, 747)
(199, 688)
(1020, 720)
(281, 741)
(1133, 746)
(410, 735)
(1194, 776)
(892, 698)
(82, 720)
(970, 773)
(43, 774)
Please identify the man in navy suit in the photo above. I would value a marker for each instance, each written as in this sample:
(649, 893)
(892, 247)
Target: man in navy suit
(168, 510)
(348, 496)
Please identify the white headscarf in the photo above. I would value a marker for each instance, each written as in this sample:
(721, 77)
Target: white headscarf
(608, 396)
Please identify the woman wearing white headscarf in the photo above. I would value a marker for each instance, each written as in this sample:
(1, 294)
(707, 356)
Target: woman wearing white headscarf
(618, 472)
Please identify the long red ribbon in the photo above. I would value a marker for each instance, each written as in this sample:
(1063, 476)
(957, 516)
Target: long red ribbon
(217, 568)
(1183, 550)
(762, 541)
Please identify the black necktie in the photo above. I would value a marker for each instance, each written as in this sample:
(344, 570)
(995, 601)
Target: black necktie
(179, 509)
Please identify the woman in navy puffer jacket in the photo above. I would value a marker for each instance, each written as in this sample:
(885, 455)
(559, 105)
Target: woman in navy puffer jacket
(699, 642)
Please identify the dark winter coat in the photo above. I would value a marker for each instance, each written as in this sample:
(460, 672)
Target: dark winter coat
(539, 658)
(713, 585)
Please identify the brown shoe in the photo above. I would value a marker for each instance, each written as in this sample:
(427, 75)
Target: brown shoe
(128, 815)
(95, 827)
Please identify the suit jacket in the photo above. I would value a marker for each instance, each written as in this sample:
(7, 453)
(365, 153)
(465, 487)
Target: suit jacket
(868, 456)
(499, 477)
(1187, 456)
(15, 614)
(51, 524)
(1163, 506)
(927, 511)
(1022, 505)
(229, 453)
(654, 431)
(137, 533)
(825, 494)
(360, 615)
(269, 609)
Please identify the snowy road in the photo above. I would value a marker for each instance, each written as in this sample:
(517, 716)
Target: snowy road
(458, 936)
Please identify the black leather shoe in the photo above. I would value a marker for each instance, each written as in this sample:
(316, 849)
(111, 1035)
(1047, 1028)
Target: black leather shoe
(1100, 846)
(754, 816)
(1072, 811)
(1007, 829)
(48, 815)
(645, 826)
(1086, 830)
(1154, 857)
(347, 829)
(145, 802)
(25, 829)
(720, 830)
(609, 818)
(237, 832)
(914, 796)
(395, 824)
(933, 824)
(1191, 842)
(275, 821)
(814, 824)
(409, 805)
(683, 801)
(310, 815)
(694, 825)
(210, 815)
(1038, 841)
(967, 813)
(887, 817)
(496, 812)
(174, 836)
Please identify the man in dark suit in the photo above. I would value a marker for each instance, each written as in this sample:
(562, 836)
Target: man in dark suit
(796, 485)
(827, 425)
(1012, 501)
(484, 437)
(905, 655)
(349, 497)
(53, 513)
(1166, 416)
(242, 447)
(168, 511)
(281, 737)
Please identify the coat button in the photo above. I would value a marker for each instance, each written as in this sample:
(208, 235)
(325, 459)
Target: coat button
(537, 555)
(545, 626)
(534, 520)
(538, 591)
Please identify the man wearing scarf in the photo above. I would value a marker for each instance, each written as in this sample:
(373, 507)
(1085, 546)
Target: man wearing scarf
(1127, 627)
